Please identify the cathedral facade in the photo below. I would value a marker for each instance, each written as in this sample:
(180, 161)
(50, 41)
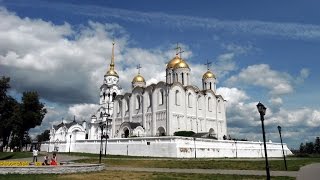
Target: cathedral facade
(167, 107)
(160, 109)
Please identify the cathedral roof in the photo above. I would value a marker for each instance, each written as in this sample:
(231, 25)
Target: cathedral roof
(138, 78)
(181, 64)
(208, 75)
(173, 62)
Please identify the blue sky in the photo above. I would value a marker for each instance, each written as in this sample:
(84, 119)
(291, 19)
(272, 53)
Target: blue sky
(261, 51)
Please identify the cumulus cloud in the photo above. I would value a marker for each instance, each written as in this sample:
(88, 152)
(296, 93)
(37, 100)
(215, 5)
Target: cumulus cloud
(82, 111)
(262, 75)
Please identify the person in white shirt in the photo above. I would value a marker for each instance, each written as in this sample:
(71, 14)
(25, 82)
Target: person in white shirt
(35, 155)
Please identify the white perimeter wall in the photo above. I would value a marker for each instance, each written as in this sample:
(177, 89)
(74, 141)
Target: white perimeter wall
(179, 147)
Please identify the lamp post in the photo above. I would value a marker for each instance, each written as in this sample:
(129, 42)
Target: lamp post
(70, 143)
(262, 110)
(195, 147)
(284, 157)
(101, 127)
(107, 119)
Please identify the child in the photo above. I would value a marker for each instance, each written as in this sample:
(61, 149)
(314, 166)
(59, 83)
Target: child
(54, 160)
(46, 160)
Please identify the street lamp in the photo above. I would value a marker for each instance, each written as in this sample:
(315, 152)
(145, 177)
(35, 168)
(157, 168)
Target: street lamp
(284, 157)
(70, 143)
(101, 127)
(262, 111)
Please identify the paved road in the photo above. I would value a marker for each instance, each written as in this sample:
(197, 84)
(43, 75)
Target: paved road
(206, 171)
(309, 172)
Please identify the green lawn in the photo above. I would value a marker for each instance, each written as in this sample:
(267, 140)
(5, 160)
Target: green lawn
(137, 175)
(14, 155)
(293, 164)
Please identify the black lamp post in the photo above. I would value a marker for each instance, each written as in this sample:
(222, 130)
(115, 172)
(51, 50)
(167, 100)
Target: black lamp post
(284, 157)
(262, 110)
(101, 127)
(70, 143)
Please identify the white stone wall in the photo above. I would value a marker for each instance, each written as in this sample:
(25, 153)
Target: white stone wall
(176, 147)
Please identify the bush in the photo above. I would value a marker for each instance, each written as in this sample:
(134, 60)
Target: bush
(184, 133)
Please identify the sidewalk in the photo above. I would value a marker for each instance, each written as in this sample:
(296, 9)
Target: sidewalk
(206, 171)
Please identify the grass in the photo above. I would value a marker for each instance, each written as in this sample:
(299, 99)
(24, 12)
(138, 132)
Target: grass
(137, 175)
(294, 164)
(14, 155)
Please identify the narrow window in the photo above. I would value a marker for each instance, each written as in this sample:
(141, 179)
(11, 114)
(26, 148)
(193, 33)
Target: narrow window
(114, 96)
(161, 97)
(210, 85)
(182, 79)
(189, 100)
(177, 98)
(209, 104)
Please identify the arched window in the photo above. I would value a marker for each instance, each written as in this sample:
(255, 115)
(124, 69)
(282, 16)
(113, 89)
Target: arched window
(219, 106)
(190, 100)
(138, 102)
(127, 105)
(119, 106)
(205, 85)
(177, 98)
(176, 77)
(209, 104)
(113, 96)
(210, 85)
(169, 77)
(104, 95)
(182, 79)
(100, 114)
(149, 100)
(199, 103)
(161, 94)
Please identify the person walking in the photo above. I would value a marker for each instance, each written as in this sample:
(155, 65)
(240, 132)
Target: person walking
(35, 155)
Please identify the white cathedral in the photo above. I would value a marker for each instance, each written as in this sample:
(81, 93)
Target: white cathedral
(149, 111)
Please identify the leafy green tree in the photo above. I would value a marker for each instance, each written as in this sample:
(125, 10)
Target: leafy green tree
(317, 145)
(45, 136)
(32, 110)
(302, 148)
(309, 148)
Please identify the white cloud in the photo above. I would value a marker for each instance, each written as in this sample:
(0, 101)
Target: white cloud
(290, 30)
(82, 111)
(232, 95)
(261, 75)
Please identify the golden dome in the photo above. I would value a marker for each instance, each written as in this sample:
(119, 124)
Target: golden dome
(173, 62)
(138, 78)
(181, 64)
(112, 72)
(208, 75)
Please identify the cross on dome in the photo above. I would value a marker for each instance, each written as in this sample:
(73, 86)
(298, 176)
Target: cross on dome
(208, 64)
(179, 50)
(139, 67)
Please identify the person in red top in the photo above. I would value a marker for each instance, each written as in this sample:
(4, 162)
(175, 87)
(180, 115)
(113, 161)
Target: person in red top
(54, 160)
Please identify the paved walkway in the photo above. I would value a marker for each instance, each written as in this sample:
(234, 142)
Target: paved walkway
(206, 171)
(60, 157)
(309, 172)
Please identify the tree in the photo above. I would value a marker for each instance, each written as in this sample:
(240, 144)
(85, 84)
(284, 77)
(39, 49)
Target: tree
(8, 107)
(32, 110)
(302, 148)
(317, 145)
(45, 136)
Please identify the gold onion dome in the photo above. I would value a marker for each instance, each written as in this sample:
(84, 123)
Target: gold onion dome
(112, 72)
(173, 62)
(208, 75)
(138, 78)
(181, 64)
